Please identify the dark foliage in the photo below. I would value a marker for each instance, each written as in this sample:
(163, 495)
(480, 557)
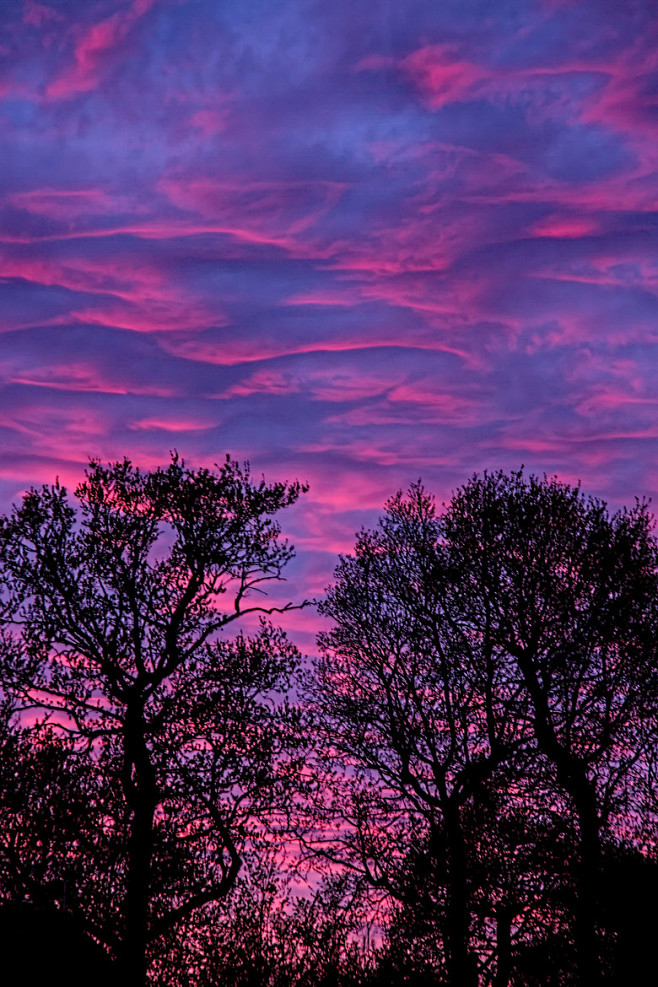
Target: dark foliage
(46, 945)
(264, 935)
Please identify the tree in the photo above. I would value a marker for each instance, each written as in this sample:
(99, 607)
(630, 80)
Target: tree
(56, 847)
(490, 668)
(417, 720)
(270, 932)
(114, 612)
(567, 593)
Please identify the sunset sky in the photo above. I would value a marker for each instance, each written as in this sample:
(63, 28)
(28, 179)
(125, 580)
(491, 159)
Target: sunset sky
(357, 242)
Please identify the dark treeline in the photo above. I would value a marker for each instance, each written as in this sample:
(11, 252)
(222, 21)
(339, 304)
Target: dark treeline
(466, 777)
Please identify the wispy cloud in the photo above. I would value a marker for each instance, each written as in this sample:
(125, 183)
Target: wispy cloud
(356, 243)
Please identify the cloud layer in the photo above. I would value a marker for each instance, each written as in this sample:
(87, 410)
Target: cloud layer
(356, 243)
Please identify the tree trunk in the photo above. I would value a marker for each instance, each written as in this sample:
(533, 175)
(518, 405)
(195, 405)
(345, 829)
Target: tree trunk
(589, 876)
(503, 945)
(572, 777)
(139, 789)
(462, 971)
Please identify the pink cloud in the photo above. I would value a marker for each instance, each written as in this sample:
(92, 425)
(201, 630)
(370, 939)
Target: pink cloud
(268, 212)
(330, 384)
(439, 404)
(321, 531)
(586, 438)
(263, 382)
(11, 324)
(38, 14)
(173, 424)
(145, 298)
(341, 298)
(162, 229)
(439, 75)
(529, 444)
(606, 195)
(85, 378)
(449, 410)
(629, 267)
(61, 431)
(565, 227)
(67, 204)
(558, 93)
(613, 96)
(350, 386)
(231, 350)
(167, 314)
(623, 103)
(57, 440)
(42, 469)
(435, 230)
(374, 63)
(333, 491)
(92, 50)
(613, 399)
(366, 451)
(111, 276)
(209, 122)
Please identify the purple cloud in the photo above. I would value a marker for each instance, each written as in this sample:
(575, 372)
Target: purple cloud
(356, 244)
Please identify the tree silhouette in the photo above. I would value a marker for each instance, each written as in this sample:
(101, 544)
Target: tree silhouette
(567, 594)
(416, 720)
(476, 757)
(46, 944)
(113, 612)
(267, 934)
(59, 828)
(499, 654)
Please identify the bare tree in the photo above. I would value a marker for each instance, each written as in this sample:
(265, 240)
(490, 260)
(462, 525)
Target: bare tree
(567, 593)
(417, 717)
(489, 668)
(114, 610)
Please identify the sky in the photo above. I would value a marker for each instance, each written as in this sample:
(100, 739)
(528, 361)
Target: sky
(355, 242)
